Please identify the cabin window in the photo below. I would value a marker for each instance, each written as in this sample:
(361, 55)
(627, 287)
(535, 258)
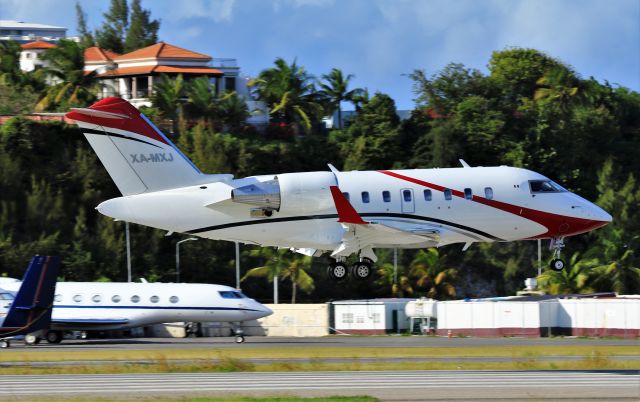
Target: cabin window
(174, 299)
(346, 195)
(7, 296)
(365, 197)
(488, 193)
(229, 294)
(406, 195)
(154, 299)
(447, 194)
(386, 196)
(77, 298)
(116, 298)
(96, 298)
(427, 195)
(135, 298)
(57, 298)
(468, 194)
(545, 186)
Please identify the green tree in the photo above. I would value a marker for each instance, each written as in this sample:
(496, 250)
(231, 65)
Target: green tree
(335, 90)
(428, 269)
(86, 37)
(71, 85)
(168, 96)
(398, 283)
(10, 72)
(288, 91)
(574, 278)
(142, 31)
(112, 34)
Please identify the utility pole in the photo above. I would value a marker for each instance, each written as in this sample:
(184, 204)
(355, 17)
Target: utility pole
(178, 256)
(128, 240)
(238, 266)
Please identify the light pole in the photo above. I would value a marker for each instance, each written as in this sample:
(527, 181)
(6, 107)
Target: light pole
(128, 240)
(178, 256)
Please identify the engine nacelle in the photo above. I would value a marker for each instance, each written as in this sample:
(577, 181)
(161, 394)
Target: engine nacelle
(306, 193)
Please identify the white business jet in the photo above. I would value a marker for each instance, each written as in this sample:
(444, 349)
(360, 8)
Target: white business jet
(342, 213)
(102, 306)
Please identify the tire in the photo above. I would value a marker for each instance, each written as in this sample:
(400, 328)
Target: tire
(361, 270)
(239, 339)
(4, 343)
(54, 337)
(31, 339)
(557, 264)
(339, 271)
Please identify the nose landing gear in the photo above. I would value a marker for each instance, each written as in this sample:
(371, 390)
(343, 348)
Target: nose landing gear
(557, 264)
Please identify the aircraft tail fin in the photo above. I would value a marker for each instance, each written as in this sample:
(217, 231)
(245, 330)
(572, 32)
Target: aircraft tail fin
(138, 157)
(32, 306)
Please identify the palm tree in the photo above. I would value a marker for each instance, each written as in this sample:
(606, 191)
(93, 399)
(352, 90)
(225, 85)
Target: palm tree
(575, 278)
(335, 91)
(234, 110)
(387, 277)
(428, 268)
(168, 97)
(71, 85)
(202, 102)
(621, 272)
(281, 263)
(10, 62)
(289, 93)
(561, 86)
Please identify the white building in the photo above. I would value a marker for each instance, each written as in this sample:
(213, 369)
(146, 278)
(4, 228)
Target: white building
(23, 32)
(30, 55)
(370, 317)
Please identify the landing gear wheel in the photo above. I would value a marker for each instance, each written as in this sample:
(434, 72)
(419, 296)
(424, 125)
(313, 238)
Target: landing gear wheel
(338, 271)
(361, 270)
(239, 339)
(31, 339)
(4, 343)
(54, 337)
(557, 264)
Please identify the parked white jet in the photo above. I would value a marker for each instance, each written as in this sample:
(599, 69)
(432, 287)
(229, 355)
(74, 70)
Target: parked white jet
(417, 208)
(85, 306)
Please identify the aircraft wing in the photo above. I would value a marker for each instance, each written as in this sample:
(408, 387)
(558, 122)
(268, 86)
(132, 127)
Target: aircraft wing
(360, 234)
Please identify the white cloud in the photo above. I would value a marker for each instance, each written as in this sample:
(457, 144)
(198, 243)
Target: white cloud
(216, 10)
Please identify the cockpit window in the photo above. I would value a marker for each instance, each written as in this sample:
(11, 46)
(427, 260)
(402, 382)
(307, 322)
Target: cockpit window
(229, 294)
(6, 296)
(545, 186)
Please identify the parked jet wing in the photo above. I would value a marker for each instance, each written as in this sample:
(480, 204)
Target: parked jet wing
(360, 234)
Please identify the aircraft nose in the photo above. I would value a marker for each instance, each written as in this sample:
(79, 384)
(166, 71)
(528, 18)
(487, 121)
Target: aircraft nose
(262, 310)
(599, 214)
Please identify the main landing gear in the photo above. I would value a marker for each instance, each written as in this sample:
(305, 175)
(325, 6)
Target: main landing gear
(557, 264)
(360, 270)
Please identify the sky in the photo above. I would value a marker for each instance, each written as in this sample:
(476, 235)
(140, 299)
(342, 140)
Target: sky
(381, 41)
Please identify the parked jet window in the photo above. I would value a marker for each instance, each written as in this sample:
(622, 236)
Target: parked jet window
(116, 299)
(9, 296)
(447, 194)
(386, 196)
(406, 195)
(346, 195)
(77, 298)
(468, 194)
(174, 299)
(229, 294)
(427, 195)
(154, 299)
(488, 193)
(57, 298)
(96, 298)
(365, 197)
(545, 186)
(135, 298)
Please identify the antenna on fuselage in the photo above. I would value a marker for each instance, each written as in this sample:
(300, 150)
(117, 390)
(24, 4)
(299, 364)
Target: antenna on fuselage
(464, 164)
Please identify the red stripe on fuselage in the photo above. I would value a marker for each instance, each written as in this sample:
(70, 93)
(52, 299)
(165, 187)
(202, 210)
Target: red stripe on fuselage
(557, 225)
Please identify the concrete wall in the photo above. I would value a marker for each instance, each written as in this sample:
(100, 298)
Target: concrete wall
(293, 320)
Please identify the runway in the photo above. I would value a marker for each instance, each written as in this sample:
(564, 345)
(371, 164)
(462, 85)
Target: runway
(386, 385)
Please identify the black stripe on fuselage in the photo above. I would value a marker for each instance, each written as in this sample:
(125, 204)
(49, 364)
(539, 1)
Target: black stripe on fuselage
(110, 134)
(330, 216)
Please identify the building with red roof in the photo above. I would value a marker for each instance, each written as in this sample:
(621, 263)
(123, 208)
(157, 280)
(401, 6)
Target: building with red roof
(31, 52)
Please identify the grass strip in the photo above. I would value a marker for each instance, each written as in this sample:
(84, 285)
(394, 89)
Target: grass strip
(41, 354)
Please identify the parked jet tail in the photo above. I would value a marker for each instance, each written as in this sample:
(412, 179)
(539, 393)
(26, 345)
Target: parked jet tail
(32, 306)
(138, 157)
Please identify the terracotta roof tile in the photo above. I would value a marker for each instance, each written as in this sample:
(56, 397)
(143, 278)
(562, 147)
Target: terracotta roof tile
(39, 44)
(97, 54)
(163, 50)
(140, 70)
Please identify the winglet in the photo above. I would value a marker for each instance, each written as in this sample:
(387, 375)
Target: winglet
(346, 212)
